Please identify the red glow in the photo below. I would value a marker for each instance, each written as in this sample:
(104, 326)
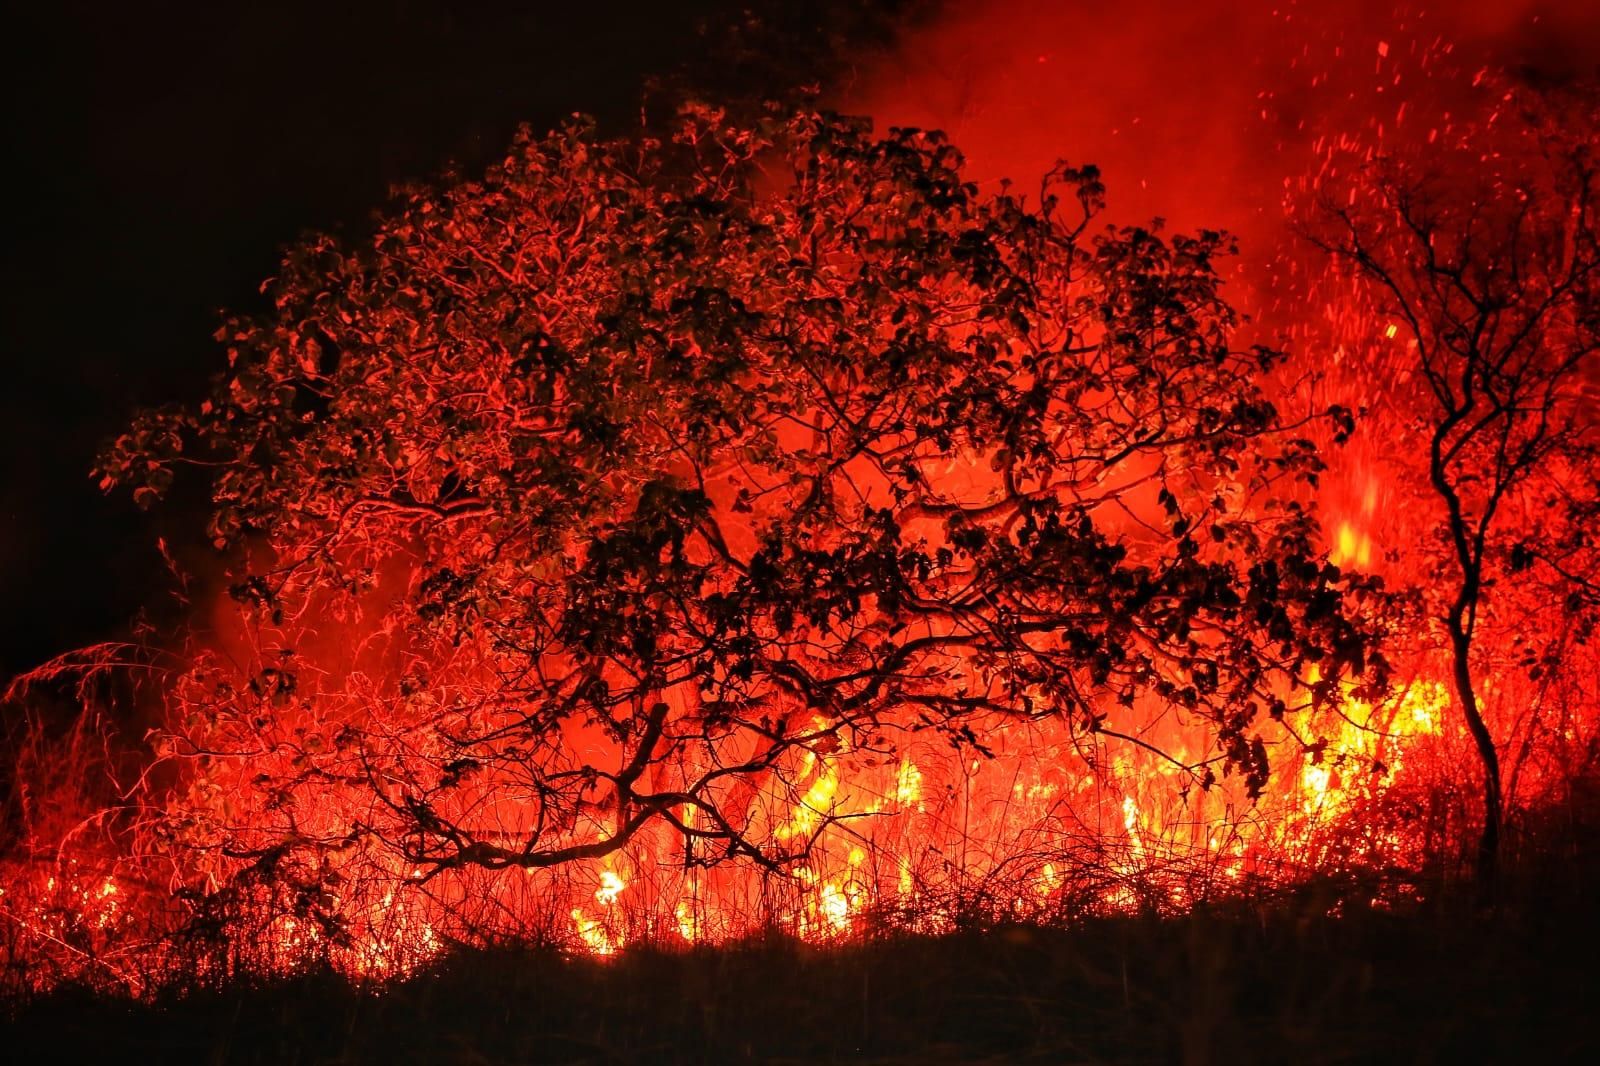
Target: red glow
(313, 713)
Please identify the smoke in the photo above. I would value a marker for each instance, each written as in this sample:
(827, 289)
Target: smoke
(1200, 112)
(1214, 114)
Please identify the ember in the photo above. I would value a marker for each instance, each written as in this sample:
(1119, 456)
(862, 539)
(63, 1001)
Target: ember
(659, 541)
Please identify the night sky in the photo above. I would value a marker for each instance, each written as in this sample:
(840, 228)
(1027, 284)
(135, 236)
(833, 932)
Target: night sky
(161, 156)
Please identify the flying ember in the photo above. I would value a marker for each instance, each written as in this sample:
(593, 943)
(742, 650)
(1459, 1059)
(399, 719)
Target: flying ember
(767, 523)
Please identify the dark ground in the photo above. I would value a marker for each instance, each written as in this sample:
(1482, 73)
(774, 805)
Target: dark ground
(164, 157)
(1280, 983)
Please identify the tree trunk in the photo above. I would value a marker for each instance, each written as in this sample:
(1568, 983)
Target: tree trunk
(1460, 621)
(1489, 842)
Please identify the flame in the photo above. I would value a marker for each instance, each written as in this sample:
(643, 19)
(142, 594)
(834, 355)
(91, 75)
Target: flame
(597, 934)
(611, 887)
(688, 920)
(914, 824)
(908, 784)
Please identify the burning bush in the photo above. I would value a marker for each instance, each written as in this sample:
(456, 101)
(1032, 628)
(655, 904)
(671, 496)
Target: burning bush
(669, 503)
(670, 538)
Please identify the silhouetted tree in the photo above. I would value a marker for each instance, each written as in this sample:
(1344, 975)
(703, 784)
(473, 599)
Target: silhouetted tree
(591, 495)
(1483, 247)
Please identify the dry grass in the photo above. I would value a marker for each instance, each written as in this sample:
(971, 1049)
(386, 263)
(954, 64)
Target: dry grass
(1278, 981)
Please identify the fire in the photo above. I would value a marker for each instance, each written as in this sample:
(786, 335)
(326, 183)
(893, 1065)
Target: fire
(1352, 548)
(598, 934)
(848, 825)
(611, 887)
(688, 920)
(908, 784)
(595, 936)
(909, 829)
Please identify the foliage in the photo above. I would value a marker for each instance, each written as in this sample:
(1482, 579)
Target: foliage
(593, 497)
(1485, 250)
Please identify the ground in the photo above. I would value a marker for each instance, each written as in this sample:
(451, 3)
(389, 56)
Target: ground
(1448, 980)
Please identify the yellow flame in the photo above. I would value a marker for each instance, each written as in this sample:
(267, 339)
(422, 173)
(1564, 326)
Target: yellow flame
(688, 920)
(1351, 547)
(611, 886)
(1130, 821)
(594, 935)
(908, 784)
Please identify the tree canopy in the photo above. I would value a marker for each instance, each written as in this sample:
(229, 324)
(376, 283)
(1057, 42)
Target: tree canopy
(588, 496)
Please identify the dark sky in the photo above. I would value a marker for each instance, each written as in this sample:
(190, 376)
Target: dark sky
(160, 156)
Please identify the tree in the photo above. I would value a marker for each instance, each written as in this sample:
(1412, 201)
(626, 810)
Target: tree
(589, 497)
(1483, 248)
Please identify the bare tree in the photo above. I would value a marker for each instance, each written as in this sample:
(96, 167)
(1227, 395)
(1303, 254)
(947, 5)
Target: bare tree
(1483, 247)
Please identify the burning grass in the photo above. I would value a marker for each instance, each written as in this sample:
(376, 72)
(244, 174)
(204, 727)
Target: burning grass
(762, 533)
(1276, 978)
